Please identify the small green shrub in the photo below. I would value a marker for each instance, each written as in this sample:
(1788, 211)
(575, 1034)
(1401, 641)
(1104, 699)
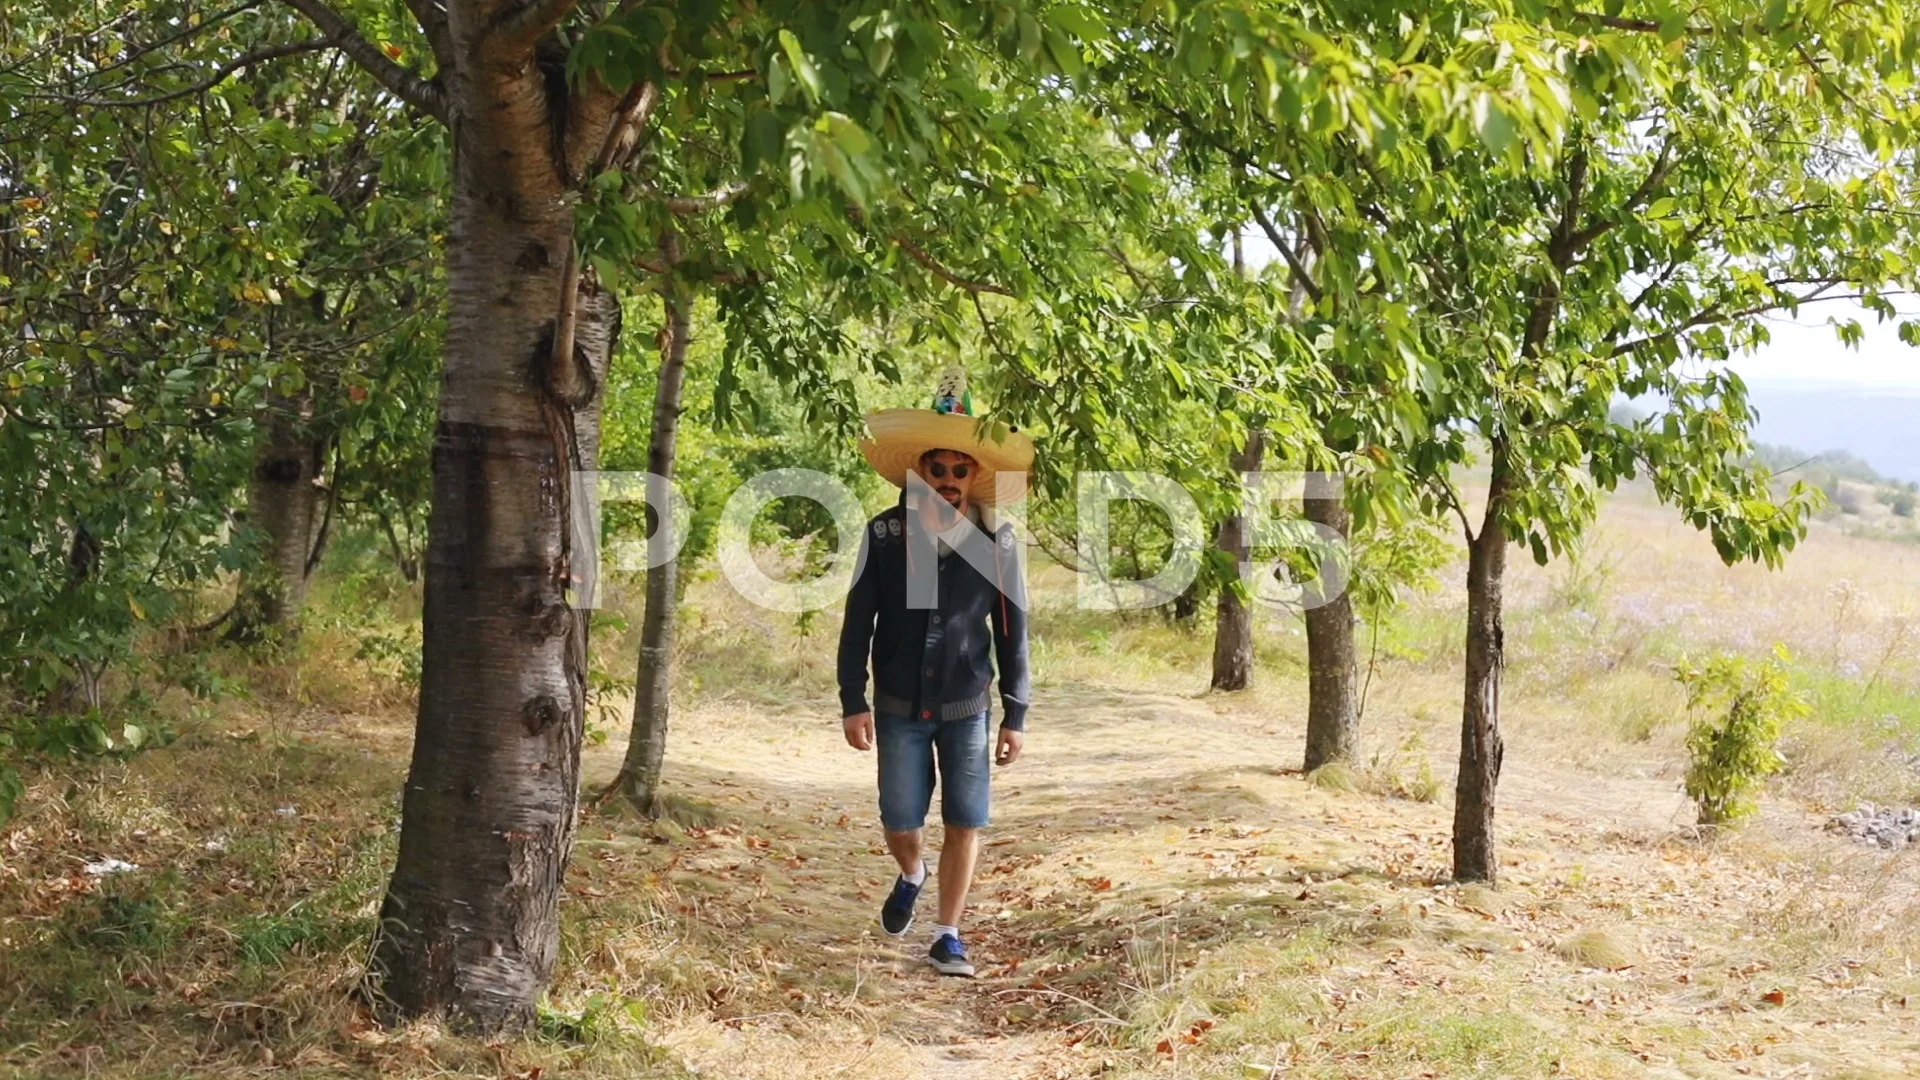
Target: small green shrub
(266, 938)
(599, 1018)
(393, 652)
(12, 786)
(1737, 710)
(43, 739)
(1388, 773)
(121, 918)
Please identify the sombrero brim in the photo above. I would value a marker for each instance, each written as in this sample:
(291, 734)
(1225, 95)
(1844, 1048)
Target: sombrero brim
(902, 436)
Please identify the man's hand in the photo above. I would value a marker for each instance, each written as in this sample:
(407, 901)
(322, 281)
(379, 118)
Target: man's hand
(859, 729)
(1008, 751)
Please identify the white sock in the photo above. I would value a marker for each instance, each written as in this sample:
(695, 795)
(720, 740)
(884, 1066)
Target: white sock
(942, 931)
(919, 876)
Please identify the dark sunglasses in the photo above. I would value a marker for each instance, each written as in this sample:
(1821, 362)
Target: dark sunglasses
(939, 470)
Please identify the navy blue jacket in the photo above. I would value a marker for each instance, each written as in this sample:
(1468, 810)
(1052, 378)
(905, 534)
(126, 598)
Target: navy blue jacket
(932, 662)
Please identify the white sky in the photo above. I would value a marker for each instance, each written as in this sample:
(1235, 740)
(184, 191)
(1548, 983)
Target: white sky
(1806, 351)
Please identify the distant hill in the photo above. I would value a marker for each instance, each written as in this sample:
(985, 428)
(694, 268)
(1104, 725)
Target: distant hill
(1834, 464)
(1870, 469)
(1880, 428)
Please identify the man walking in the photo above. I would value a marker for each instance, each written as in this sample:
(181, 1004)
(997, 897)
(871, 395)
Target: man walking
(934, 591)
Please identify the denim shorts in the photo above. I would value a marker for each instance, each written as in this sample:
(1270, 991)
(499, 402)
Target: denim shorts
(908, 748)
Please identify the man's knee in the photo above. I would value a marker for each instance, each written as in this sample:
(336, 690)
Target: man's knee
(961, 834)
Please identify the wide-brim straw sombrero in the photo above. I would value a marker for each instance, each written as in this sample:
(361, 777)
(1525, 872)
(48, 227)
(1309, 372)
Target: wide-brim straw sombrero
(902, 436)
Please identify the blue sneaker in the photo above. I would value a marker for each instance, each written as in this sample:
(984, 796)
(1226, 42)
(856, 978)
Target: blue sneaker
(897, 913)
(949, 957)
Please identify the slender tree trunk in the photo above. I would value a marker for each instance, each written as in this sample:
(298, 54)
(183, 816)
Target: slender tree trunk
(639, 779)
(81, 690)
(1333, 720)
(283, 505)
(1233, 621)
(471, 920)
(1187, 604)
(1481, 748)
(408, 566)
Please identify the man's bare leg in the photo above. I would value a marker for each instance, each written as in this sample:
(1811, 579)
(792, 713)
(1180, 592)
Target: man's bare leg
(906, 848)
(957, 855)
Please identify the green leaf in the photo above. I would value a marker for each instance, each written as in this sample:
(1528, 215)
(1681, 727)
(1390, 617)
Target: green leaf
(1082, 22)
(803, 69)
(848, 135)
(880, 54)
(1491, 121)
(1066, 55)
(778, 81)
(761, 140)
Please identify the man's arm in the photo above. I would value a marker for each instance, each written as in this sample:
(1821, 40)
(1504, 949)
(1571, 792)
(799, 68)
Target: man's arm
(856, 631)
(1009, 621)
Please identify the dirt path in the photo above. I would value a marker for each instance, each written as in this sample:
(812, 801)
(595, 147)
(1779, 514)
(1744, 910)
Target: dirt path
(1094, 828)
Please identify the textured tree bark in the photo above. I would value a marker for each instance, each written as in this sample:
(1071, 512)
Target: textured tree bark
(81, 690)
(284, 505)
(1233, 621)
(1481, 748)
(471, 921)
(1333, 720)
(639, 779)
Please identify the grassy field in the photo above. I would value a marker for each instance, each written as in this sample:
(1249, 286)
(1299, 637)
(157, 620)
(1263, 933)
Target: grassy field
(1162, 893)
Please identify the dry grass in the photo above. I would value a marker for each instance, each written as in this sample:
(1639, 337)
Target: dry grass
(1161, 895)
(1603, 948)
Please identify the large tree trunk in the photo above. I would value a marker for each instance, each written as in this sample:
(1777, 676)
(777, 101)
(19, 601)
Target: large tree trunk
(284, 506)
(1481, 748)
(639, 779)
(1333, 719)
(470, 925)
(1233, 621)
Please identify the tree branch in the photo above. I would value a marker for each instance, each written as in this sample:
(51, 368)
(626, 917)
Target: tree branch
(654, 265)
(993, 341)
(696, 204)
(426, 96)
(1693, 237)
(432, 16)
(632, 117)
(1713, 316)
(934, 267)
(1452, 498)
(931, 264)
(525, 24)
(1654, 180)
(219, 76)
(202, 27)
(326, 519)
(1638, 26)
(1563, 252)
(1301, 276)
